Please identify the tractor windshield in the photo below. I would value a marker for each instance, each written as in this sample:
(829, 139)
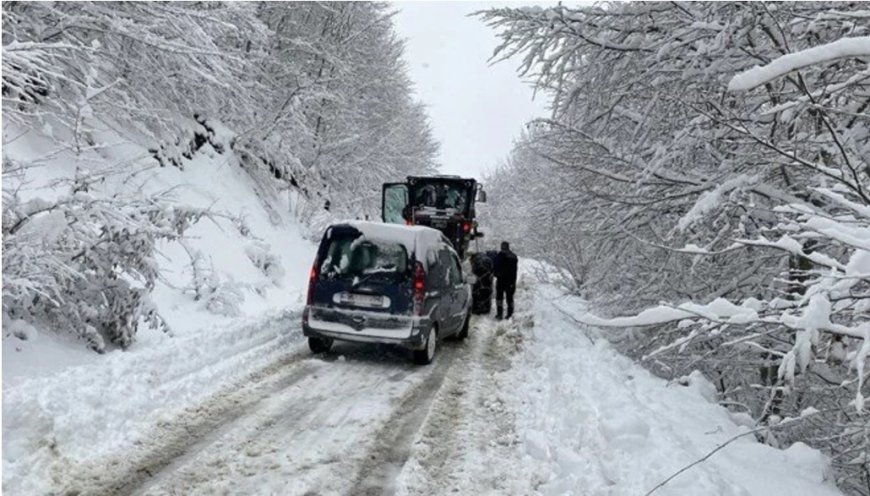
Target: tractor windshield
(442, 195)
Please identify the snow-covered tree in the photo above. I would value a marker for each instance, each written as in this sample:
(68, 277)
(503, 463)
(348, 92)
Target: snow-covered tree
(309, 97)
(681, 172)
(348, 110)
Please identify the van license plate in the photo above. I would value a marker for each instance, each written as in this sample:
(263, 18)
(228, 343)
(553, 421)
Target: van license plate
(361, 300)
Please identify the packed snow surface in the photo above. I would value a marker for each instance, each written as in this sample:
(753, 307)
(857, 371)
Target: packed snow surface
(535, 405)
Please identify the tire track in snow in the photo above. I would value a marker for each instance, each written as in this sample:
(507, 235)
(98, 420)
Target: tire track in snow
(189, 432)
(305, 438)
(266, 424)
(393, 445)
(442, 435)
(469, 425)
(457, 405)
(438, 430)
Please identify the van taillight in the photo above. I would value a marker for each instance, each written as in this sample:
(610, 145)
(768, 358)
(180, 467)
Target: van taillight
(312, 276)
(419, 289)
(466, 227)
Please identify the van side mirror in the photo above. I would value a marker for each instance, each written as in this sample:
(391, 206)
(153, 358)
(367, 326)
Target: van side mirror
(481, 196)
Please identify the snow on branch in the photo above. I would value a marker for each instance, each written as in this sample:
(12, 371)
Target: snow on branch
(791, 245)
(758, 75)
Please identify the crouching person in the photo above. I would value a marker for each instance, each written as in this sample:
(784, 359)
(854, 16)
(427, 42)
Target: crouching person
(481, 289)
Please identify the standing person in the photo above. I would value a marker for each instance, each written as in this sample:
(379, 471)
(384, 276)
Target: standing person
(506, 283)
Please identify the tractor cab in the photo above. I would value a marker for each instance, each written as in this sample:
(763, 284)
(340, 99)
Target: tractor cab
(445, 203)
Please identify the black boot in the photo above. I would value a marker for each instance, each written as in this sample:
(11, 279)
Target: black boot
(498, 313)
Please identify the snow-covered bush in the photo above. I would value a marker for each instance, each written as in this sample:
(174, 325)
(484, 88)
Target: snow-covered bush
(264, 259)
(84, 264)
(218, 294)
(223, 297)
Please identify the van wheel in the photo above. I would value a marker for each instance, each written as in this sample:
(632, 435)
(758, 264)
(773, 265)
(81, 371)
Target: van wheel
(425, 356)
(464, 332)
(319, 345)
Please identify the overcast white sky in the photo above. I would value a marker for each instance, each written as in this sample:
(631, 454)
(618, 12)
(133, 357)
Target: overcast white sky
(476, 110)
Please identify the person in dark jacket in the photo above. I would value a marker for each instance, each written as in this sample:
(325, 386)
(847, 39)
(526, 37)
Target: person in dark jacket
(506, 279)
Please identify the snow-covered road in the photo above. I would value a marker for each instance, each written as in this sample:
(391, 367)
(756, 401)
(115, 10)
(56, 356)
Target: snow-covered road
(534, 406)
(338, 424)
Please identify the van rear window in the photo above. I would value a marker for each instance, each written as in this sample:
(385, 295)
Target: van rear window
(349, 255)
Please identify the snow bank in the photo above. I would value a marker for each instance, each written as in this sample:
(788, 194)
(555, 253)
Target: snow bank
(595, 422)
(53, 423)
(758, 75)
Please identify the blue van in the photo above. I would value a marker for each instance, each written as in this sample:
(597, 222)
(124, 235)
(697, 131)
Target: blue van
(386, 283)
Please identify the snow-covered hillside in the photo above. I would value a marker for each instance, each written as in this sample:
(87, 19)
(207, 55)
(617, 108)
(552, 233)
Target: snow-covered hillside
(249, 256)
(245, 257)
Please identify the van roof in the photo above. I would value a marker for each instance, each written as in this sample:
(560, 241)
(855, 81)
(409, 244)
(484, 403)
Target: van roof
(416, 239)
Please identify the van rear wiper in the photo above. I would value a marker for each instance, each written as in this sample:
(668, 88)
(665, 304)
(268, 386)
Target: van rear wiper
(362, 280)
(369, 276)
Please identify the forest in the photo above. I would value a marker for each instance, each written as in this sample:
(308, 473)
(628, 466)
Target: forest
(704, 180)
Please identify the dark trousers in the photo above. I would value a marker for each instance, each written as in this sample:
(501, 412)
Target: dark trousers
(502, 291)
